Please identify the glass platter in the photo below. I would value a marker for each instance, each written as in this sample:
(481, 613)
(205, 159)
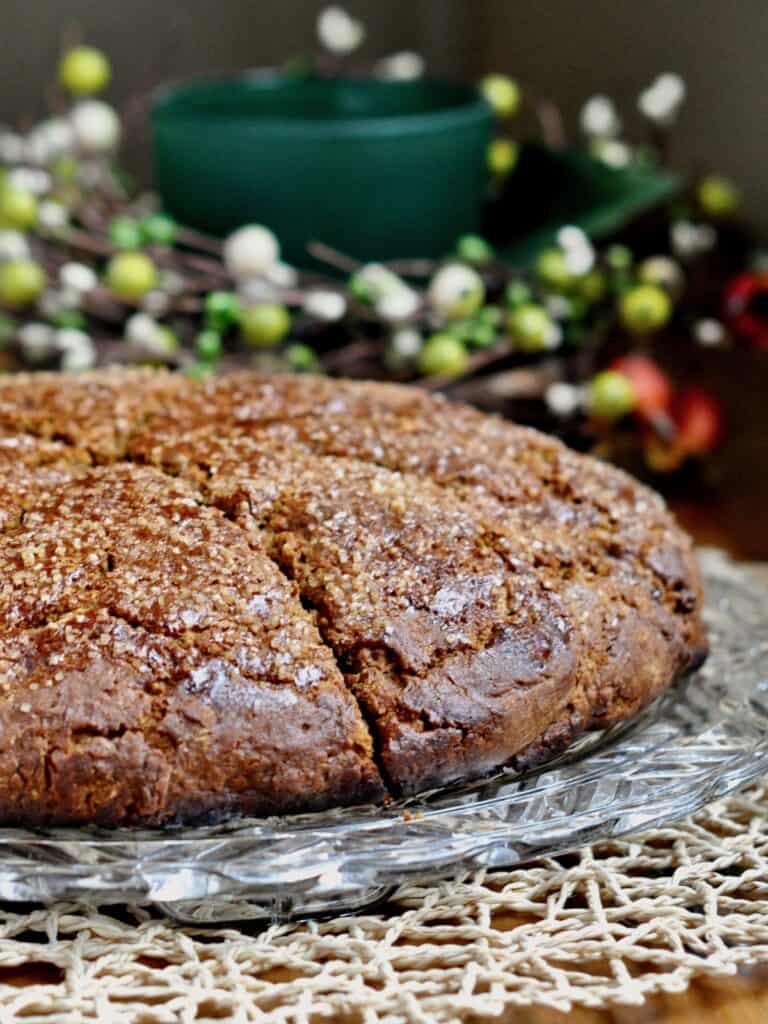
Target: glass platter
(702, 739)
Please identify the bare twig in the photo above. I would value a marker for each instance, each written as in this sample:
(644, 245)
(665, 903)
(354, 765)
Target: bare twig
(478, 361)
(333, 257)
(356, 352)
(197, 240)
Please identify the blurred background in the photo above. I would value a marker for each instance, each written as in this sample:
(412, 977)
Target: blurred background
(564, 50)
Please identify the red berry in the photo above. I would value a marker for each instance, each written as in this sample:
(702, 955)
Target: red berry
(744, 307)
(699, 419)
(652, 387)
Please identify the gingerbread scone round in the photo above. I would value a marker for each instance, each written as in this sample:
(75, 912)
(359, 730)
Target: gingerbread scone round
(472, 594)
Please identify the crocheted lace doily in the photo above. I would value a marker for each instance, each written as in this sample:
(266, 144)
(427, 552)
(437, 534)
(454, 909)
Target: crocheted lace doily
(613, 923)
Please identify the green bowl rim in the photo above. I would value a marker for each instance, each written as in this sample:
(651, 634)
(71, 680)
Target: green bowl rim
(475, 110)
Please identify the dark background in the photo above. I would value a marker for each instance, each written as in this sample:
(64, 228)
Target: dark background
(568, 50)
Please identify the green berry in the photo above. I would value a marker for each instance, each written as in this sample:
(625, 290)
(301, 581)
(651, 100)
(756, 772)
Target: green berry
(359, 289)
(718, 197)
(165, 341)
(481, 335)
(84, 71)
(125, 233)
(592, 286)
(531, 327)
(159, 229)
(644, 308)
(70, 318)
(491, 315)
(618, 257)
(198, 371)
(301, 358)
(474, 249)
(552, 270)
(610, 396)
(517, 294)
(221, 310)
(373, 282)
(461, 330)
(265, 325)
(502, 157)
(208, 345)
(65, 168)
(502, 93)
(130, 275)
(18, 208)
(21, 282)
(443, 356)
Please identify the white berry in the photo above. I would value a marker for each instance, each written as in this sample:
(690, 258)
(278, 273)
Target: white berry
(11, 147)
(709, 332)
(325, 305)
(599, 118)
(611, 152)
(563, 399)
(407, 342)
(255, 291)
(398, 304)
(251, 251)
(689, 239)
(140, 329)
(338, 32)
(577, 249)
(661, 101)
(283, 275)
(13, 246)
(400, 67)
(77, 349)
(78, 276)
(403, 349)
(37, 341)
(373, 281)
(52, 216)
(96, 126)
(29, 179)
(49, 139)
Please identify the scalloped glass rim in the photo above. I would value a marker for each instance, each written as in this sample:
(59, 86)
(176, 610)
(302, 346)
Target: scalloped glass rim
(702, 739)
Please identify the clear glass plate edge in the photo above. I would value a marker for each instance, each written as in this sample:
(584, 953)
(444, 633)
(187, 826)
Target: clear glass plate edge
(699, 742)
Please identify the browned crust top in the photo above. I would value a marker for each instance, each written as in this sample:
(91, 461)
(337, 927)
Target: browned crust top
(266, 594)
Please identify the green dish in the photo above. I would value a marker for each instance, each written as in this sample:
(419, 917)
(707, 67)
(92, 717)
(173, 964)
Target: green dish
(551, 187)
(379, 170)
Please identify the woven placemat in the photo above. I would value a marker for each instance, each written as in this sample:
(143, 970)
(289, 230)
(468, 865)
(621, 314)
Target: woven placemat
(612, 923)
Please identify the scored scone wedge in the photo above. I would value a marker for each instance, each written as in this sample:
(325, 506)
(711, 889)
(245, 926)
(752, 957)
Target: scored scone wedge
(155, 665)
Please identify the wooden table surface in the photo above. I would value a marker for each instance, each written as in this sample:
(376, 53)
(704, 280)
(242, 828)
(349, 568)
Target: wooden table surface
(738, 1000)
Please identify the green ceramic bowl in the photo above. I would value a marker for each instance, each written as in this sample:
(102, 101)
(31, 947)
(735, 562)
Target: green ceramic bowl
(377, 169)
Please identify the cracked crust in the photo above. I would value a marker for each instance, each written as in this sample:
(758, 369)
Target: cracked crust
(474, 594)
